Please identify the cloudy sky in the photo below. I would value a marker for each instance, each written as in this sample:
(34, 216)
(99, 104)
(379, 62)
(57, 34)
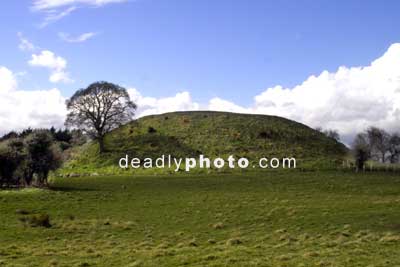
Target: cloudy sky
(334, 64)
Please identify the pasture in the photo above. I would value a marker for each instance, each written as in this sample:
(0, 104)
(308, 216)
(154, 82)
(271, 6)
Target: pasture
(274, 218)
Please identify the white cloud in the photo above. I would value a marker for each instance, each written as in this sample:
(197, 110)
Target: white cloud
(55, 15)
(150, 105)
(49, 60)
(76, 39)
(20, 109)
(54, 63)
(60, 76)
(218, 104)
(53, 4)
(348, 100)
(58, 9)
(25, 44)
(7, 80)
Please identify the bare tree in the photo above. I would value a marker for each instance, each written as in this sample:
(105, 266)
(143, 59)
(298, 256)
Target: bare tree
(319, 129)
(361, 150)
(331, 133)
(394, 148)
(379, 143)
(98, 109)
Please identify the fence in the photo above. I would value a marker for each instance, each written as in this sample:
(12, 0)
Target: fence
(373, 166)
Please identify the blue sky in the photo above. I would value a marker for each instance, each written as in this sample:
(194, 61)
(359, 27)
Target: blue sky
(230, 50)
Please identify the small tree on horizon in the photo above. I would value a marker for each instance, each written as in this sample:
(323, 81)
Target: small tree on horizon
(331, 133)
(379, 141)
(42, 157)
(361, 150)
(98, 109)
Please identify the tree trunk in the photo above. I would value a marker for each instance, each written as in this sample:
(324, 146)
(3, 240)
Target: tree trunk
(28, 178)
(101, 144)
(360, 164)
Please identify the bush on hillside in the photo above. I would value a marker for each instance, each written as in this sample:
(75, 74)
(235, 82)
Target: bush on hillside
(151, 130)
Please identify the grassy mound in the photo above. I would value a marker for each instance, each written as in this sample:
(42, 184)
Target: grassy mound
(213, 134)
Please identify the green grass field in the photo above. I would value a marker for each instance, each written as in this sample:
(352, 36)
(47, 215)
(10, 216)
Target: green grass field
(264, 219)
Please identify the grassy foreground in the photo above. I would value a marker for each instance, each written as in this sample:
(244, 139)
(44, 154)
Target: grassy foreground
(265, 219)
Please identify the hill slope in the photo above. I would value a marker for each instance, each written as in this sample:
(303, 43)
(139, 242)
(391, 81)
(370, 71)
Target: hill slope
(184, 134)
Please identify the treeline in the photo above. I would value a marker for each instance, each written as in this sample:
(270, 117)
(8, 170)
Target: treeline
(27, 157)
(65, 137)
(376, 144)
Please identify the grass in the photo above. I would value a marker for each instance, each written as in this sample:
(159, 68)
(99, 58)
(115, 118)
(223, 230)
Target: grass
(213, 134)
(258, 219)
